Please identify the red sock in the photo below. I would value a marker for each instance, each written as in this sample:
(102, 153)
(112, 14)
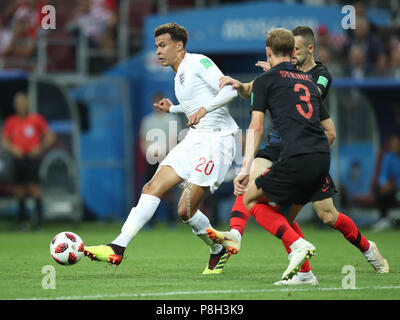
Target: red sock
(240, 215)
(274, 222)
(350, 231)
(306, 265)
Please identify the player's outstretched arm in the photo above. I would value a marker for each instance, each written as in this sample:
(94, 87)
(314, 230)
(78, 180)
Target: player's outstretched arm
(243, 89)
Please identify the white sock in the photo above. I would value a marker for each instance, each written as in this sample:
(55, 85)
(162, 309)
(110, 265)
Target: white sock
(305, 275)
(122, 240)
(236, 234)
(199, 223)
(139, 215)
(297, 244)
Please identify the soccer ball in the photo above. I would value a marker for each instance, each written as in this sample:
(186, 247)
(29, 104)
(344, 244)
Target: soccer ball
(66, 248)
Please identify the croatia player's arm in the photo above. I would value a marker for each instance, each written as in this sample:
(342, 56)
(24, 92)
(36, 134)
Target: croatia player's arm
(253, 139)
(254, 134)
(327, 124)
(324, 82)
(243, 89)
(256, 128)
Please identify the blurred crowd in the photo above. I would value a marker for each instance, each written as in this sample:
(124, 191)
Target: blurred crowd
(366, 51)
(20, 24)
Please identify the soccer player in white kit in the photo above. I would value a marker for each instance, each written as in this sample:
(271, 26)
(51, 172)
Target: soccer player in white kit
(199, 162)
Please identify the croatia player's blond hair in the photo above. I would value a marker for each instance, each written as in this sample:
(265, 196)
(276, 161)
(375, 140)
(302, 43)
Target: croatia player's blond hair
(280, 41)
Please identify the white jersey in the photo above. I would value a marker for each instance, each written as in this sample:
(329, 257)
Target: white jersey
(196, 84)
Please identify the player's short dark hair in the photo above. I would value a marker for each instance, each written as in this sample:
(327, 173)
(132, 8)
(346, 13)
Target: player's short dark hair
(281, 41)
(306, 33)
(177, 32)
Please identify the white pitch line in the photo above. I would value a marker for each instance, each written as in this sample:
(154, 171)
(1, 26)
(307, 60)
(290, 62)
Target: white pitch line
(184, 293)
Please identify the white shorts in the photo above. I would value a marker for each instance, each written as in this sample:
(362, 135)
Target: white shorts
(203, 157)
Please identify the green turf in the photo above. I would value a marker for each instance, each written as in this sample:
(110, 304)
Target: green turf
(167, 264)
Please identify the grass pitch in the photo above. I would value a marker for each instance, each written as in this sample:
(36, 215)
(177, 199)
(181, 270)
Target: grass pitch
(164, 263)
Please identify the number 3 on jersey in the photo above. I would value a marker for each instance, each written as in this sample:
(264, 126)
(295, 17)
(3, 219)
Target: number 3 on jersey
(306, 98)
(207, 169)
